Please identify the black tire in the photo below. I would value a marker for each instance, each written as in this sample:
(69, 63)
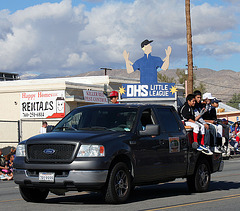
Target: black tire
(33, 194)
(200, 180)
(119, 184)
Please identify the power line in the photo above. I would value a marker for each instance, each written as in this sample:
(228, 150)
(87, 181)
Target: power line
(217, 85)
(224, 95)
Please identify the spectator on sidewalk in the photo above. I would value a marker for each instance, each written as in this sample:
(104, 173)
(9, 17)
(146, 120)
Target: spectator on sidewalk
(235, 136)
(7, 171)
(12, 152)
(10, 167)
(1, 158)
(43, 129)
(236, 131)
(2, 164)
(3, 167)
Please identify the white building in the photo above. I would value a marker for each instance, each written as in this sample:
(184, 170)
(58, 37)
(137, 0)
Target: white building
(21, 115)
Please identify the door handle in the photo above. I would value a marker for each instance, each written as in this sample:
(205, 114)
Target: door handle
(162, 142)
(184, 142)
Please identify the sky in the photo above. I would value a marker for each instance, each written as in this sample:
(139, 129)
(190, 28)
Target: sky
(54, 38)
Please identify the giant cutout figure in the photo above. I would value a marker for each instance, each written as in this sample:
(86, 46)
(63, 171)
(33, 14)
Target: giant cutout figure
(148, 64)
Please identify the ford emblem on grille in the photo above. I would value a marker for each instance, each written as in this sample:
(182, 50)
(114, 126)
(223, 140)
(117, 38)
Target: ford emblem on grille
(49, 151)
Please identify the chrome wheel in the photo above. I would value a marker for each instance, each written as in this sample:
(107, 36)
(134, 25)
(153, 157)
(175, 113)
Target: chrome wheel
(121, 183)
(203, 175)
(200, 180)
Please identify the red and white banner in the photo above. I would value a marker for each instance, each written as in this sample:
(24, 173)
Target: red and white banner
(42, 104)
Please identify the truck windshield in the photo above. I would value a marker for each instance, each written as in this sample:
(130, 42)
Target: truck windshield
(98, 118)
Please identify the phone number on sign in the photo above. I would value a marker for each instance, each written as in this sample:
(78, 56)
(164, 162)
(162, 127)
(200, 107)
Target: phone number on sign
(33, 114)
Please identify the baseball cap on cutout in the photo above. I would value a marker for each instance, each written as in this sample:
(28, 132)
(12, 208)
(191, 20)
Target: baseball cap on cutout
(145, 42)
(113, 94)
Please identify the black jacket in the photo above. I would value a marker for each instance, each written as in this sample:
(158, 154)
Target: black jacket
(187, 112)
(210, 114)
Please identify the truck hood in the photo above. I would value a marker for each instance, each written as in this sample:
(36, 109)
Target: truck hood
(82, 137)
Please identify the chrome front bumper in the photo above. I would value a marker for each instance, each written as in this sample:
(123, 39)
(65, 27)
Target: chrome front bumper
(75, 178)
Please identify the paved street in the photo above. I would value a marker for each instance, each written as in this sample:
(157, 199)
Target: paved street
(224, 194)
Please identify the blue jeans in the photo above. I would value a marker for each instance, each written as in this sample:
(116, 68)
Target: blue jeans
(207, 136)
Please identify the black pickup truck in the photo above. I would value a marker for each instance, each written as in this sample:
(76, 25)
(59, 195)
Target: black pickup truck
(112, 149)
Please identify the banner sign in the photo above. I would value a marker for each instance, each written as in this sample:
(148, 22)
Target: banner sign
(94, 96)
(42, 104)
(159, 90)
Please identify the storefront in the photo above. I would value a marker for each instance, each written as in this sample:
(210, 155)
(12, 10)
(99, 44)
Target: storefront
(26, 103)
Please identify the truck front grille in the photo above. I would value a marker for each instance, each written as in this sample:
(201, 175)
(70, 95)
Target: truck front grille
(50, 152)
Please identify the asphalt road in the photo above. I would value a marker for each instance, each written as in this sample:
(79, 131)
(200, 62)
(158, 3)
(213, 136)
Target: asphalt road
(224, 194)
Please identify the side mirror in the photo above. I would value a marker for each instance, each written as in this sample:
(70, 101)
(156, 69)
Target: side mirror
(151, 130)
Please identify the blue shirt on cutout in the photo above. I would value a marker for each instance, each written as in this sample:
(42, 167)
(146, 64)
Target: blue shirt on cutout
(148, 68)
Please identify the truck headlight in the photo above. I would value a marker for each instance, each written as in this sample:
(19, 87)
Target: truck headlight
(91, 151)
(21, 150)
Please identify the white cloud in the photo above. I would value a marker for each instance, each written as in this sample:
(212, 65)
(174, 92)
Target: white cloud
(212, 18)
(5, 24)
(93, 1)
(42, 12)
(52, 39)
(227, 48)
(74, 60)
(210, 37)
(117, 26)
(29, 75)
(232, 1)
(47, 31)
(34, 61)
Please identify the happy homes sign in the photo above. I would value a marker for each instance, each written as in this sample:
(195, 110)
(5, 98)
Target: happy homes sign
(42, 104)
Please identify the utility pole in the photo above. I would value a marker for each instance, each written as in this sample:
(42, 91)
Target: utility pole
(189, 48)
(105, 85)
(105, 70)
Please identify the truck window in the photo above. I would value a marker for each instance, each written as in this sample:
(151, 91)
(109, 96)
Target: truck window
(102, 118)
(169, 123)
(146, 119)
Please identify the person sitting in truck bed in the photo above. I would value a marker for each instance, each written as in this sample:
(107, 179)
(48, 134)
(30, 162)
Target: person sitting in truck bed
(188, 116)
(199, 111)
(210, 116)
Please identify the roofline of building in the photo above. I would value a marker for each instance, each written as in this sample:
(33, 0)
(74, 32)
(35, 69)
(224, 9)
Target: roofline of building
(9, 73)
(228, 113)
(87, 82)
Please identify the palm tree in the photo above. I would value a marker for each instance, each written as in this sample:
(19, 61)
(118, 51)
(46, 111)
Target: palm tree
(189, 48)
